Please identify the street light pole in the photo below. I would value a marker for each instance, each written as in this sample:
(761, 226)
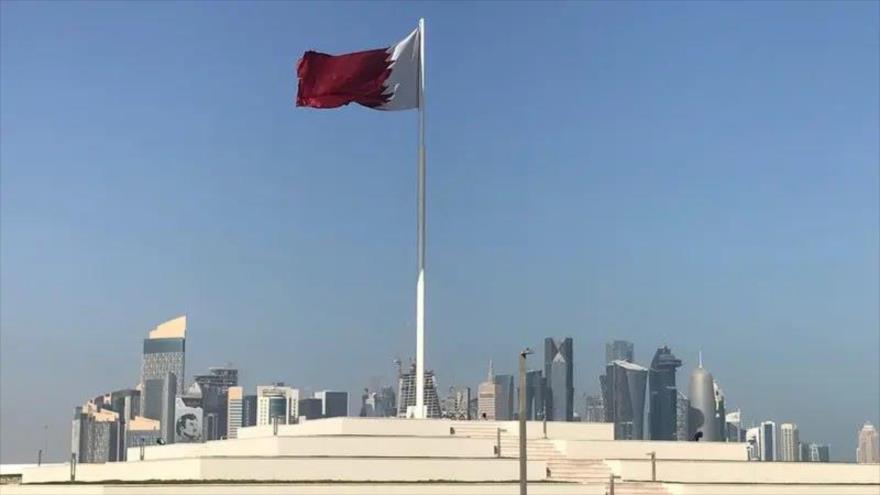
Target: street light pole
(523, 464)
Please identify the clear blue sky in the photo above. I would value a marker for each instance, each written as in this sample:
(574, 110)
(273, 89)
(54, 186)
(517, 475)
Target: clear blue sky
(703, 175)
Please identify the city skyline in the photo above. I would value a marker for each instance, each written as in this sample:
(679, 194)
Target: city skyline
(105, 426)
(716, 196)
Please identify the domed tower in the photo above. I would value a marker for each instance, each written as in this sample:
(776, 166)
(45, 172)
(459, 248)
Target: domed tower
(702, 397)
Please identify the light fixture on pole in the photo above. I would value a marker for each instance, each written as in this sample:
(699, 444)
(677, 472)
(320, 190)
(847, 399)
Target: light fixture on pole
(523, 464)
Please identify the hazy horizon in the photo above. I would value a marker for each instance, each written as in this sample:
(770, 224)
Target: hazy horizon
(698, 175)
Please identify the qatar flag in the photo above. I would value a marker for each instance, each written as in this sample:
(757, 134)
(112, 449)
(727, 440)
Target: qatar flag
(383, 79)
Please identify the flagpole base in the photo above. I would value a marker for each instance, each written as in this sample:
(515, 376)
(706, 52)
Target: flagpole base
(415, 412)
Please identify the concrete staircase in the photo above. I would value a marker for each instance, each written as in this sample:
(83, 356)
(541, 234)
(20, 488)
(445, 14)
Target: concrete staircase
(592, 472)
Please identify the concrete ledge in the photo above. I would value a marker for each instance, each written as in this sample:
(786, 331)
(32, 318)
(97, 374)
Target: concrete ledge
(291, 469)
(739, 472)
(306, 489)
(636, 449)
(390, 427)
(324, 446)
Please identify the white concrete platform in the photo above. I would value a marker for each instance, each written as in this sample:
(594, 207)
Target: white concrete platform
(397, 456)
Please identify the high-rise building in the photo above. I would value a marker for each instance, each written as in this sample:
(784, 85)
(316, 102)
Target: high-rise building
(311, 408)
(97, 435)
(663, 394)
(126, 402)
(220, 377)
(623, 392)
(867, 452)
(535, 385)
(169, 405)
(619, 350)
(505, 409)
(379, 404)
(720, 412)
(682, 418)
(277, 401)
(249, 410)
(753, 439)
(164, 352)
(333, 403)
(142, 431)
(456, 404)
(818, 453)
(789, 442)
(734, 430)
(488, 396)
(234, 411)
(595, 409)
(702, 419)
(406, 393)
(559, 391)
(767, 441)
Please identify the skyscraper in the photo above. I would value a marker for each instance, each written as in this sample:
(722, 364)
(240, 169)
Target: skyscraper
(333, 403)
(819, 453)
(595, 409)
(249, 410)
(276, 401)
(96, 434)
(164, 352)
(623, 392)
(867, 451)
(720, 412)
(406, 393)
(169, 404)
(456, 404)
(702, 417)
(619, 350)
(767, 441)
(381, 404)
(753, 439)
(663, 395)
(505, 409)
(789, 442)
(559, 389)
(734, 430)
(534, 395)
(311, 408)
(682, 417)
(488, 395)
(234, 411)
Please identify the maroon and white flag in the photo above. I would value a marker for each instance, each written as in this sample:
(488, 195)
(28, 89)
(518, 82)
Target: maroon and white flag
(383, 79)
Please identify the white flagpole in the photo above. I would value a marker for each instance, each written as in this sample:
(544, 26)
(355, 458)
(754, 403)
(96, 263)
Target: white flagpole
(421, 411)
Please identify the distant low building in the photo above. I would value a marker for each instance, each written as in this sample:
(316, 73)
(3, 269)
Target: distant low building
(310, 408)
(333, 403)
(455, 406)
(595, 410)
(276, 401)
(381, 404)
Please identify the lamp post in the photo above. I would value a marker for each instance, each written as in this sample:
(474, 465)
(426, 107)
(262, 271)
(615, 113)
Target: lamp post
(653, 456)
(523, 483)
